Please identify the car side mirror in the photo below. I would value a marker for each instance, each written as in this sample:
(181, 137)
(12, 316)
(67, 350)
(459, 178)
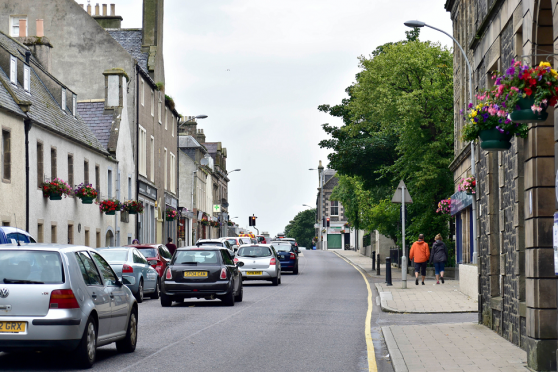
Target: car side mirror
(119, 282)
(240, 264)
(152, 262)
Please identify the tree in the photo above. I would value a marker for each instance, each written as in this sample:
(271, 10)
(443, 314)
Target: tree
(301, 227)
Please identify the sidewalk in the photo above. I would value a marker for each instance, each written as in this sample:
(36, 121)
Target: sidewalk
(428, 298)
(451, 347)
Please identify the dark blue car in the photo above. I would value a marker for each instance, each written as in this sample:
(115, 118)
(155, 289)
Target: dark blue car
(13, 235)
(287, 256)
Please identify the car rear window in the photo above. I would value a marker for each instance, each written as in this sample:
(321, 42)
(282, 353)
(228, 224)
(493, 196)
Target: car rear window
(148, 252)
(114, 255)
(232, 241)
(283, 247)
(215, 244)
(30, 267)
(254, 252)
(22, 238)
(197, 257)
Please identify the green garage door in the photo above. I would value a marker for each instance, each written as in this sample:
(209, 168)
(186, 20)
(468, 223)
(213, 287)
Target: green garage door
(334, 241)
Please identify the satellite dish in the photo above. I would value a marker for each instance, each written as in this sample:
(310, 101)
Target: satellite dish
(204, 161)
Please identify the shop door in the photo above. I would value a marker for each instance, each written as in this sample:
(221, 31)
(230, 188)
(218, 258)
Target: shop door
(458, 238)
(471, 235)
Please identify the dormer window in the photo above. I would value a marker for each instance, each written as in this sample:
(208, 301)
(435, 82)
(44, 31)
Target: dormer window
(63, 103)
(26, 78)
(13, 70)
(74, 104)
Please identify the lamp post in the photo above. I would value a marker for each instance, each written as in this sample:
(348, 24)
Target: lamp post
(320, 170)
(414, 24)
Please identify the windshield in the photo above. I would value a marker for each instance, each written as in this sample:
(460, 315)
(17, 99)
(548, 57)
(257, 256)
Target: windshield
(30, 267)
(113, 255)
(197, 257)
(148, 252)
(218, 244)
(254, 252)
(232, 241)
(22, 238)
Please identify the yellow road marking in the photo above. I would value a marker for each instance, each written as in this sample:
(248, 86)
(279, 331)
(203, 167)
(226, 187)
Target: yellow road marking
(372, 366)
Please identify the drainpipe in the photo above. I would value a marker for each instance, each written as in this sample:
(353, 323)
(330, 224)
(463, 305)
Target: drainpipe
(27, 123)
(117, 189)
(137, 150)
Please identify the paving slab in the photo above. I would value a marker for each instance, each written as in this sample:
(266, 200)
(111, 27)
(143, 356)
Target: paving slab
(449, 349)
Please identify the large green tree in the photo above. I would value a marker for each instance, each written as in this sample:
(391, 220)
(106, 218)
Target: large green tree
(398, 125)
(301, 227)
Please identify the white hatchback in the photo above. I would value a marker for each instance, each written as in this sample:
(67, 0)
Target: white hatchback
(260, 263)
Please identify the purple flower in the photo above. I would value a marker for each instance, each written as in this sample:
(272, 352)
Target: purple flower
(508, 121)
(470, 105)
(540, 78)
(510, 71)
(476, 119)
(496, 107)
(498, 81)
(520, 76)
(461, 112)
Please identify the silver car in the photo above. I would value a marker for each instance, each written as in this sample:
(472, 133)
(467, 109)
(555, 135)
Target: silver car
(134, 269)
(260, 263)
(63, 297)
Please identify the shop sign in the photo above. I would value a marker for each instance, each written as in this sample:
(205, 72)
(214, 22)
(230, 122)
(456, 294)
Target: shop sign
(147, 190)
(459, 201)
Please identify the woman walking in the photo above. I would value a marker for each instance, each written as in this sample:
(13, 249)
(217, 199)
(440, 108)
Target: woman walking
(439, 257)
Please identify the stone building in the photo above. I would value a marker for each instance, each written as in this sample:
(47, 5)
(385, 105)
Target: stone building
(516, 188)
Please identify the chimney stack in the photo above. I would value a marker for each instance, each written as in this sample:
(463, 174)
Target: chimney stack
(200, 137)
(22, 28)
(105, 20)
(97, 9)
(89, 9)
(104, 10)
(112, 10)
(40, 28)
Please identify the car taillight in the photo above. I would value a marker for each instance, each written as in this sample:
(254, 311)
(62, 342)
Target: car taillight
(223, 273)
(292, 256)
(127, 269)
(159, 263)
(63, 299)
(235, 260)
(169, 274)
(272, 262)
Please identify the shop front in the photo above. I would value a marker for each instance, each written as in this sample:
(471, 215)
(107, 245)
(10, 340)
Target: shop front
(147, 195)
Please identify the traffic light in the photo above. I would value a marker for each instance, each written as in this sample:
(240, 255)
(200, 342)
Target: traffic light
(328, 222)
(324, 222)
(252, 220)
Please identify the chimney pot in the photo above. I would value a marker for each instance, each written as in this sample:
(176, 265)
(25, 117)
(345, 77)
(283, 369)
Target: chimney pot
(104, 9)
(40, 28)
(112, 9)
(22, 28)
(89, 9)
(97, 9)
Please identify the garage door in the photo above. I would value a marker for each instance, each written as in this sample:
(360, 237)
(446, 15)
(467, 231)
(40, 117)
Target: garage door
(334, 241)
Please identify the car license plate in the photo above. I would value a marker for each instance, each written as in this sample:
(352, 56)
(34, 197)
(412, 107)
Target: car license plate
(12, 327)
(253, 273)
(202, 274)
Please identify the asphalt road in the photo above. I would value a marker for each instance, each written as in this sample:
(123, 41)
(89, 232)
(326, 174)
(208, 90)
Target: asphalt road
(314, 321)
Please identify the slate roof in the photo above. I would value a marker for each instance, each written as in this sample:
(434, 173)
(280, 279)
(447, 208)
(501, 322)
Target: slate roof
(187, 141)
(211, 147)
(131, 40)
(44, 109)
(93, 115)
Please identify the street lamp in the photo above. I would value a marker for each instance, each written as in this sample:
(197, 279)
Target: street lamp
(414, 24)
(306, 205)
(235, 170)
(320, 170)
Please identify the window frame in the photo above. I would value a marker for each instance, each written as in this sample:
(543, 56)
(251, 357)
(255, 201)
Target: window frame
(152, 160)
(26, 78)
(142, 150)
(160, 109)
(6, 165)
(71, 170)
(85, 172)
(13, 70)
(63, 98)
(18, 18)
(165, 169)
(332, 206)
(152, 103)
(53, 162)
(40, 164)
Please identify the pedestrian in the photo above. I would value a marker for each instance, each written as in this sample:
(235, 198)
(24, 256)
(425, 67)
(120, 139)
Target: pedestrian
(439, 257)
(420, 253)
(171, 246)
(135, 241)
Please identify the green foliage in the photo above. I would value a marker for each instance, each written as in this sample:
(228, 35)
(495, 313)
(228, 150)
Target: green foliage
(302, 228)
(160, 85)
(398, 124)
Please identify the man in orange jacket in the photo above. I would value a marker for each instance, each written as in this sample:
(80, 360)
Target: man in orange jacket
(421, 254)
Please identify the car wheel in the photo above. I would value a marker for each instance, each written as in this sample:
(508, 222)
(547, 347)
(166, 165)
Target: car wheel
(275, 281)
(128, 344)
(86, 351)
(155, 295)
(279, 280)
(139, 294)
(166, 301)
(240, 294)
(228, 300)
(295, 271)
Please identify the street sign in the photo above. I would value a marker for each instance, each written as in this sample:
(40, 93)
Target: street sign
(397, 196)
(216, 208)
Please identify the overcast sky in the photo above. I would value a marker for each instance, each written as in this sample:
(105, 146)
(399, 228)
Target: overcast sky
(260, 68)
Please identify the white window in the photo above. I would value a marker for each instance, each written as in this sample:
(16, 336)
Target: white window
(152, 103)
(334, 208)
(152, 164)
(13, 70)
(166, 117)
(173, 122)
(74, 104)
(142, 163)
(14, 25)
(129, 187)
(26, 78)
(63, 103)
(165, 169)
(160, 109)
(172, 173)
(142, 92)
(109, 183)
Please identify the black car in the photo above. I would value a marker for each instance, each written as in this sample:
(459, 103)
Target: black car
(202, 272)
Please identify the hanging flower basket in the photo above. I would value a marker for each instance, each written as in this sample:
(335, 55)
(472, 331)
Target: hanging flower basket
(110, 206)
(342, 231)
(230, 223)
(55, 189)
(132, 207)
(495, 140)
(86, 193)
(444, 206)
(525, 114)
(468, 185)
(205, 222)
(171, 214)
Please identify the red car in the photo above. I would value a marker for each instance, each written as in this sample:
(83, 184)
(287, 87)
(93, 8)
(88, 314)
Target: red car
(261, 239)
(157, 255)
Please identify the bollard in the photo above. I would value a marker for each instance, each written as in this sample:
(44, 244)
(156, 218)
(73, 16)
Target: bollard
(373, 260)
(388, 271)
(378, 265)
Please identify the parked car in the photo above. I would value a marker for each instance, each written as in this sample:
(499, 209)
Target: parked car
(13, 235)
(260, 263)
(301, 249)
(157, 255)
(287, 256)
(202, 272)
(63, 297)
(136, 273)
(216, 243)
(261, 239)
(236, 241)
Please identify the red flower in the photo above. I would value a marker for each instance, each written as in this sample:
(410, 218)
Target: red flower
(533, 82)
(528, 91)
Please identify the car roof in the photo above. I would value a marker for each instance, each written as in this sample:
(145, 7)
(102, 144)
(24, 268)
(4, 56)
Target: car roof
(204, 247)
(255, 245)
(10, 229)
(140, 246)
(115, 248)
(55, 247)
